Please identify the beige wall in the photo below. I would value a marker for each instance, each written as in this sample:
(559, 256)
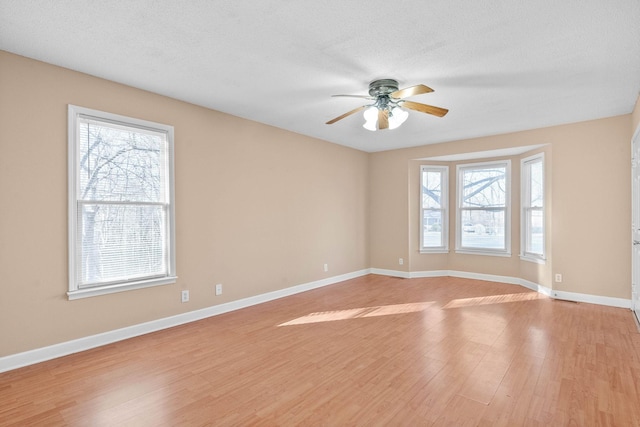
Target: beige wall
(257, 208)
(588, 167)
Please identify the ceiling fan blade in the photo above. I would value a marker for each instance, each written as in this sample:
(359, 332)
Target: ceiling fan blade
(410, 91)
(355, 110)
(353, 96)
(383, 119)
(424, 108)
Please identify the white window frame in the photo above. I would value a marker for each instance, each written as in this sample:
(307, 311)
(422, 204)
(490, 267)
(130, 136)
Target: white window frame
(525, 189)
(444, 203)
(460, 168)
(75, 290)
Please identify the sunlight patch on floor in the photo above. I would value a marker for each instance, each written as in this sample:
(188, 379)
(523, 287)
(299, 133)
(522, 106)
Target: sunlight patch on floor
(353, 313)
(493, 299)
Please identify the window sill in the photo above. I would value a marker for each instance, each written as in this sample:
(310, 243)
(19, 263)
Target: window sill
(434, 251)
(119, 287)
(481, 252)
(533, 259)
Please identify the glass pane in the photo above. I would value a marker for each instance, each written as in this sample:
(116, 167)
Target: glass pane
(537, 185)
(119, 242)
(432, 229)
(483, 229)
(120, 164)
(535, 235)
(432, 189)
(484, 187)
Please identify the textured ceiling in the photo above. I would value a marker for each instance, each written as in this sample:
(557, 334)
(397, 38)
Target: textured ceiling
(498, 66)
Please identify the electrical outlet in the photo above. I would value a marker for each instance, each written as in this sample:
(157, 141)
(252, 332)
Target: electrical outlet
(558, 278)
(326, 267)
(219, 289)
(400, 261)
(185, 296)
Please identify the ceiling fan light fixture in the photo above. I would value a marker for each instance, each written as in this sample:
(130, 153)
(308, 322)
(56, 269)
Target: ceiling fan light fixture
(371, 118)
(397, 116)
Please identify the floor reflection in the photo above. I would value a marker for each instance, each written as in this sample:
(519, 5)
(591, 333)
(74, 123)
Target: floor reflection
(353, 313)
(493, 299)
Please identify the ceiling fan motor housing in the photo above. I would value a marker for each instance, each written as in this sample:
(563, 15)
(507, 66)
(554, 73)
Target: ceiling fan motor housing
(382, 87)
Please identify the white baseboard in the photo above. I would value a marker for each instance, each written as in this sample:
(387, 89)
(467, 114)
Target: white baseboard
(392, 273)
(569, 296)
(536, 287)
(38, 355)
(31, 357)
(432, 273)
(486, 277)
(592, 299)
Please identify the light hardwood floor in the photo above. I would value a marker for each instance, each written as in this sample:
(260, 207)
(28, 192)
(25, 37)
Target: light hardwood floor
(370, 351)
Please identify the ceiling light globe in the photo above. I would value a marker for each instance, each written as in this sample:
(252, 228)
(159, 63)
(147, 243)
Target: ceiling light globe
(371, 117)
(397, 117)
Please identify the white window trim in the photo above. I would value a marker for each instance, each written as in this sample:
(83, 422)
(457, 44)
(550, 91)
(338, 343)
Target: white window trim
(524, 178)
(507, 213)
(444, 170)
(74, 112)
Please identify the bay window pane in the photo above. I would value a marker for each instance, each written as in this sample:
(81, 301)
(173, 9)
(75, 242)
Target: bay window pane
(432, 189)
(483, 229)
(536, 185)
(533, 232)
(484, 187)
(434, 208)
(535, 238)
(483, 210)
(432, 228)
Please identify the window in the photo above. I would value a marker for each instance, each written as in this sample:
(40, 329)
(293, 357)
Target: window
(483, 208)
(532, 194)
(121, 210)
(434, 213)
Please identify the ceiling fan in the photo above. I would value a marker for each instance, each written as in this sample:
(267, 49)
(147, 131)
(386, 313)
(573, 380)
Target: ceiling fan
(386, 112)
